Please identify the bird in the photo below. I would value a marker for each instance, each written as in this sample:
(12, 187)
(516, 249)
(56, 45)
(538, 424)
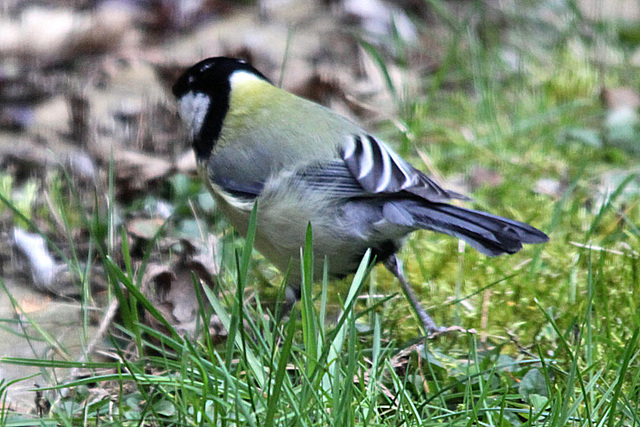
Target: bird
(303, 163)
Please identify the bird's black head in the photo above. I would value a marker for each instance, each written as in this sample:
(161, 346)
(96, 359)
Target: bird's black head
(210, 75)
(203, 93)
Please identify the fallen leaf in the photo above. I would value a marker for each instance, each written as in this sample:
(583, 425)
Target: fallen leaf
(145, 228)
(172, 290)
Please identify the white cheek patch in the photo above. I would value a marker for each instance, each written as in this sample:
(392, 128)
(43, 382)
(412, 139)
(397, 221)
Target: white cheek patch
(193, 110)
(242, 77)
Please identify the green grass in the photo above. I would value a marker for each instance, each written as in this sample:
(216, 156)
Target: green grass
(558, 324)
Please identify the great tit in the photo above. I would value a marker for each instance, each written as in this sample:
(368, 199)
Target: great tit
(303, 163)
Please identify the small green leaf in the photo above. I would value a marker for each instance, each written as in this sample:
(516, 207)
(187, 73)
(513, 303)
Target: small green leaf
(165, 407)
(538, 401)
(533, 383)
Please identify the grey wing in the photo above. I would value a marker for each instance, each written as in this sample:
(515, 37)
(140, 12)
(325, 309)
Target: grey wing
(333, 178)
(367, 168)
(380, 170)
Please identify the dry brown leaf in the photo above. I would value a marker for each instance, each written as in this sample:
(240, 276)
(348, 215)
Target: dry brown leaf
(54, 35)
(172, 291)
(145, 228)
(137, 171)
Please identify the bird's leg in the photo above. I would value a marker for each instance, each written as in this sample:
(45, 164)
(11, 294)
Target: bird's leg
(291, 296)
(394, 265)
